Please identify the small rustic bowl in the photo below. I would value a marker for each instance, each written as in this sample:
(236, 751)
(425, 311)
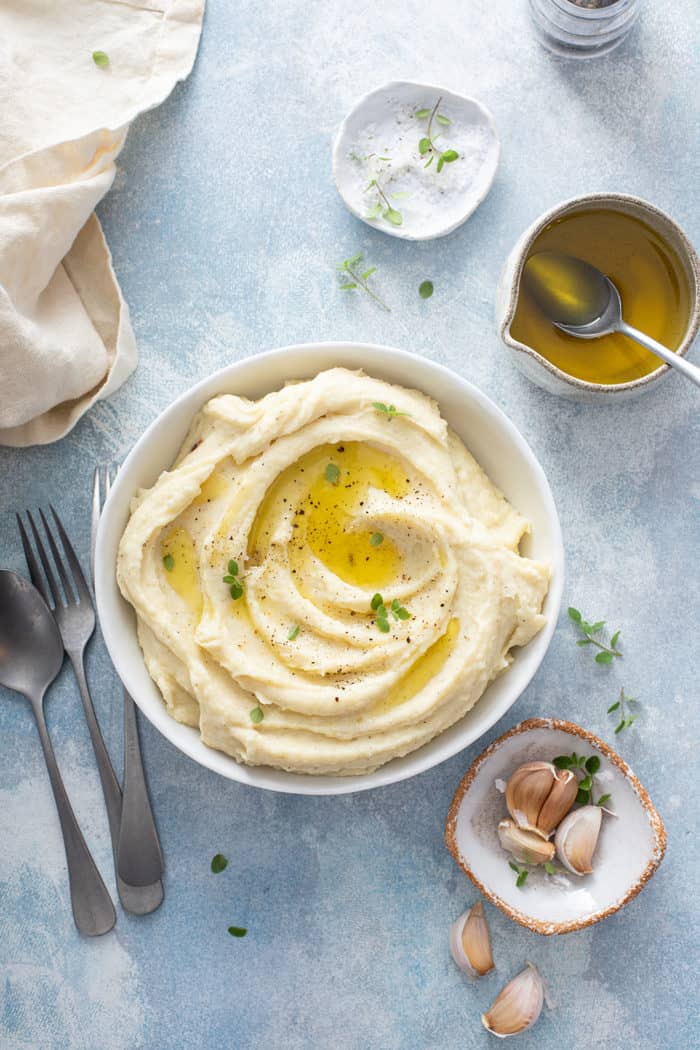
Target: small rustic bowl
(630, 847)
(538, 368)
(368, 114)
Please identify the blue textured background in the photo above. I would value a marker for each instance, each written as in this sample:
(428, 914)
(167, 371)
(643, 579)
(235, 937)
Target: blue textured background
(226, 230)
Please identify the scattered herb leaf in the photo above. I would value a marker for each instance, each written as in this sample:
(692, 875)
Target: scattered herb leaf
(293, 632)
(521, 873)
(390, 411)
(625, 705)
(606, 652)
(237, 931)
(332, 473)
(350, 278)
(256, 715)
(425, 289)
(376, 539)
(218, 863)
(100, 58)
(169, 562)
(603, 799)
(549, 868)
(421, 114)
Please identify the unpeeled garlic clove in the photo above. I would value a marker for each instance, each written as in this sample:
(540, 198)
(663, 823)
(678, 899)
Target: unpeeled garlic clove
(558, 802)
(526, 846)
(577, 838)
(539, 796)
(470, 942)
(517, 1006)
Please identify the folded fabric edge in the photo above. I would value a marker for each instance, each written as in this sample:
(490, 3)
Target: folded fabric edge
(91, 248)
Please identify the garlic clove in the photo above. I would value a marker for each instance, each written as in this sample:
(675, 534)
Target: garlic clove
(470, 942)
(577, 838)
(558, 802)
(527, 791)
(526, 846)
(517, 1006)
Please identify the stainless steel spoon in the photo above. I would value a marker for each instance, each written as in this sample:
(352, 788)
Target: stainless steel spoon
(31, 654)
(582, 301)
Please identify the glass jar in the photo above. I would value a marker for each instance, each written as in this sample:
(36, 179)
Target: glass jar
(583, 28)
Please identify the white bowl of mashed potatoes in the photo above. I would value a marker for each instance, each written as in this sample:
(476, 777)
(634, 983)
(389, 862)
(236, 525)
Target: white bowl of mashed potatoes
(328, 567)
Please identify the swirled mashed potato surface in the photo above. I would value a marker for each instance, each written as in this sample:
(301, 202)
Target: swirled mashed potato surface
(325, 495)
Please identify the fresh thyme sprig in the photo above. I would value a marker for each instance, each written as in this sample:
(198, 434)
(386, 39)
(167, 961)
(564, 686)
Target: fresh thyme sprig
(348, 269)
(589, 767)
(383, 208)
(390, 411)
(607, 652)
(624, 704)
(427, 146)
(521, 873)
(232, 578)
(396, 609)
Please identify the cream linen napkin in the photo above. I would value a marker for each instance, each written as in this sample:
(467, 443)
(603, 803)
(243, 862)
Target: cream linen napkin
(65, 335)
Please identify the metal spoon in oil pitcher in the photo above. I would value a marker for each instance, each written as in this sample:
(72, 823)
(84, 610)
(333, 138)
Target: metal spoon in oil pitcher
(582, 301)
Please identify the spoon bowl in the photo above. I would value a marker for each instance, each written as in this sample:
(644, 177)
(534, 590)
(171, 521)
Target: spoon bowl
(31, 650)
(31, 655)
(580, 300)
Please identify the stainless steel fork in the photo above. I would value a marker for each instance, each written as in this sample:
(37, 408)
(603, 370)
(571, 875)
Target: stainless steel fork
(139, 855)
(71, 605)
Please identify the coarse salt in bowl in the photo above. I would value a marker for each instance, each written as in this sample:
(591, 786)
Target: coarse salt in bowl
(378, 163)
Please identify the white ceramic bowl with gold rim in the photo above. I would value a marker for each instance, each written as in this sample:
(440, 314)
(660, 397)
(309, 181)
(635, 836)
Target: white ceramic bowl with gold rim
(487, 432)
(630, 847)
(538, 368)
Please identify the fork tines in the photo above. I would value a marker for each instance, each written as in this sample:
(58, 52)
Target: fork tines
(101, 484)
(73, 589)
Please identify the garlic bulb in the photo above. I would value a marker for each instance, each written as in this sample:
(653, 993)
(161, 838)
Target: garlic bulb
(539, 796)
(577, 838)
(517, 1006)
(470, 942)
(526, 846)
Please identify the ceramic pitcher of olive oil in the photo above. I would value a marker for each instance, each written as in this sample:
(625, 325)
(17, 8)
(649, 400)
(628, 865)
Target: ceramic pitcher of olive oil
(654, 267)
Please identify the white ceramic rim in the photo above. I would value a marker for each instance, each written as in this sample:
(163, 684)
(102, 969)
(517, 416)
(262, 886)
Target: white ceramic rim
(473, 202)
(299, 361)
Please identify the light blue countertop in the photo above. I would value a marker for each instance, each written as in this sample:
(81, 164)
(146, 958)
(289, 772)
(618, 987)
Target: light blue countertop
(226, 230)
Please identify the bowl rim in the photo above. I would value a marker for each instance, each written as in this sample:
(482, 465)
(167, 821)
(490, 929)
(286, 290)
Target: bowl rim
(689, 259)
(537, 925)
(385, 358)
(489, 122)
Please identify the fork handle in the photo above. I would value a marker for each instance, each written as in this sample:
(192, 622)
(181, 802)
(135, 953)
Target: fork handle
(139, 858)
(93, 910)
(110, 785)
(137, 899)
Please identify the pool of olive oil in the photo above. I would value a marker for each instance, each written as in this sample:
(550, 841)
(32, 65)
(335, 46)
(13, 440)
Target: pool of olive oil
(649, 276)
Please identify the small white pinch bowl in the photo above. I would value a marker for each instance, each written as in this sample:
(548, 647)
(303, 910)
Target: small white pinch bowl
(488, 433)
(630, 848)
(544, 372)
(438, 203)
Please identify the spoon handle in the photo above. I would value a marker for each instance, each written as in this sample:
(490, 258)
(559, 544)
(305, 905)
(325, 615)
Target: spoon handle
(93, 910)
(689, 370)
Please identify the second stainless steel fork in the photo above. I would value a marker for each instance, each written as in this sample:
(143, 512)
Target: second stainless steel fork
(71, 604)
